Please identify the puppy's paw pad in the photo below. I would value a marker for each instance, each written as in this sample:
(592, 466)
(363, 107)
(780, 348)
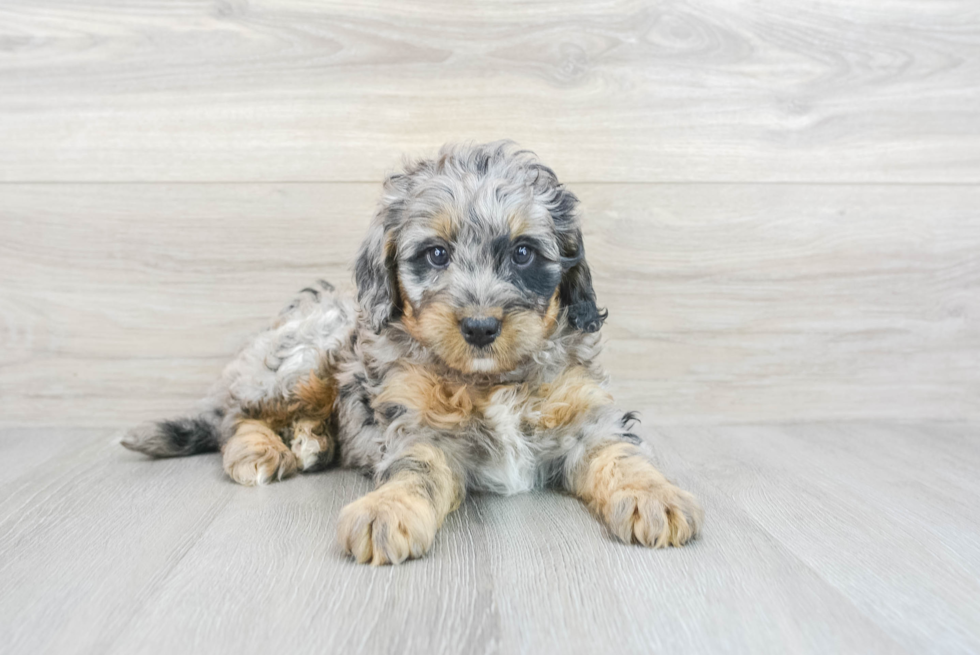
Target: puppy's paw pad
(658, 517)
(387, 528)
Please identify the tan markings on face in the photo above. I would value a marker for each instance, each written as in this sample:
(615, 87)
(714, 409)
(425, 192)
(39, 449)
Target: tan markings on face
(437, 327)
(517, 224)
(554, 306)
(408, 313)
(445, 224)
(568, 398)
(521, 333)
(494, 312)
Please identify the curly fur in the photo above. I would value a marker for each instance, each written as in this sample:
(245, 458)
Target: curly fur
(387, 382)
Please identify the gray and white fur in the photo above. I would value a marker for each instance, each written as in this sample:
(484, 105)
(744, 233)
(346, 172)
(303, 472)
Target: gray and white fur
(466, 361)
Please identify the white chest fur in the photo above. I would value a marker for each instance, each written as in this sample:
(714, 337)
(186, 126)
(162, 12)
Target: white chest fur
(513, 466)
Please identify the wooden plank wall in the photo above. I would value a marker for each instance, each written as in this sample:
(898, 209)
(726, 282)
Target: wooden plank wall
(781, 198)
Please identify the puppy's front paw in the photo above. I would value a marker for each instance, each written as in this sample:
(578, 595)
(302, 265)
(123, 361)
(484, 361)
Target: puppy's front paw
(656, 517)
(387, 526)
(635, 500)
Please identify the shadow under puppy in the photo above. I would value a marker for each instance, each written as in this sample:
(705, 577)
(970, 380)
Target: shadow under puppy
(466, 362)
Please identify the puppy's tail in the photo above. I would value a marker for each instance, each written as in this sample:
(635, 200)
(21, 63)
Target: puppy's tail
(176, 437)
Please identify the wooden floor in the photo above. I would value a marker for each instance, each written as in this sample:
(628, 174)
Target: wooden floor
(821, 538)
(782, 215)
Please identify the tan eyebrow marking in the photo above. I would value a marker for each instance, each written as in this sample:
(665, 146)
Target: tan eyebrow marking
(446, 224)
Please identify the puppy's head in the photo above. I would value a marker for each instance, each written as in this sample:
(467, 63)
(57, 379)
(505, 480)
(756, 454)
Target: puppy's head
(476, 253)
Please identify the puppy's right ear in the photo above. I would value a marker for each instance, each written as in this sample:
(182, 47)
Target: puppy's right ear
(376, 266)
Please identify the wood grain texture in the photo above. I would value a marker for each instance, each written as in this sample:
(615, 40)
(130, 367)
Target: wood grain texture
(122, 303)
(621, 90)
(782, 218)
(839, 537)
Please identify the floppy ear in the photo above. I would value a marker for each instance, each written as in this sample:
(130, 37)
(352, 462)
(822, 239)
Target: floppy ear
(575, 290)
(376, 266)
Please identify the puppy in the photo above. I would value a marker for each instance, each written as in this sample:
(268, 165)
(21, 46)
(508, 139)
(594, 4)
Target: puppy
(468, 361)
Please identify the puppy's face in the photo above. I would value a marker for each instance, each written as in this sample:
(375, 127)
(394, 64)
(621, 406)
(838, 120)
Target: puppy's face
(479, 252)
(478, 277)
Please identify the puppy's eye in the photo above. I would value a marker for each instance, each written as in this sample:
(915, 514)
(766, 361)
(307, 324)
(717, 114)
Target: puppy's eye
(437, 256)
(523, 255)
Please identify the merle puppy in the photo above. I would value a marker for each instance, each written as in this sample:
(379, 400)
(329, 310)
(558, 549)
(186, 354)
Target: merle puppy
(467, 361)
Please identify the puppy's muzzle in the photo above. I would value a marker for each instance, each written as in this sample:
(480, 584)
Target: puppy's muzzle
(480, 331)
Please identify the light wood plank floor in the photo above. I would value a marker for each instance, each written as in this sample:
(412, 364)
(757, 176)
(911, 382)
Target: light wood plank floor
(782, 214)
(821, 538)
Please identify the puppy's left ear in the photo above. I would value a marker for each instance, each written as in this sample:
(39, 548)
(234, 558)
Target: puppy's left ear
(575, 291)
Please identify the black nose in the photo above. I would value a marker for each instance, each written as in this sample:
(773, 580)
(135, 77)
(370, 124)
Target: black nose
(480, 331)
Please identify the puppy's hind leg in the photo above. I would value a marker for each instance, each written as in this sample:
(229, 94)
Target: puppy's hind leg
(256, 455)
